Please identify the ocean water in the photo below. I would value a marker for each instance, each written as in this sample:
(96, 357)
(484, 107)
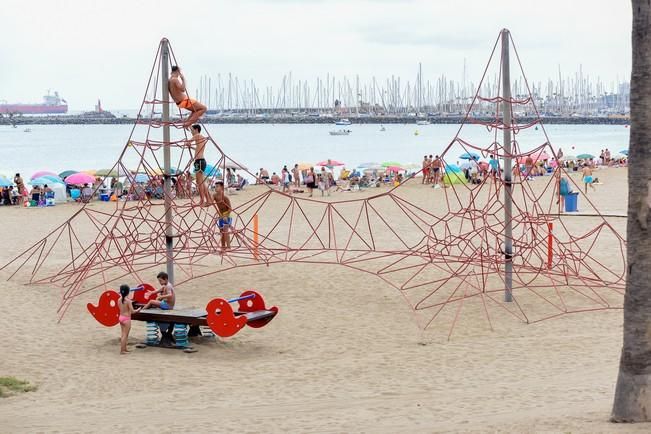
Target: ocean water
(82, 147)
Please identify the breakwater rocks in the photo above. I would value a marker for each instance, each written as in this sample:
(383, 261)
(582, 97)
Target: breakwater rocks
(288, 119)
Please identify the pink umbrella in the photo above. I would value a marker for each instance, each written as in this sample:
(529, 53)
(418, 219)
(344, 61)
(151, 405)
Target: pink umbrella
(80, 178)
(43, 173)
(330, 163)
(395, 169)
(540, 156)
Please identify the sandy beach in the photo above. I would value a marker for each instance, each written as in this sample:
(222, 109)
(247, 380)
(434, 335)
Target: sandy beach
(344, 355)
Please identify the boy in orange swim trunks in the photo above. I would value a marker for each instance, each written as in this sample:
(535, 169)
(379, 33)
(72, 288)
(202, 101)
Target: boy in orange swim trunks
(177, 90)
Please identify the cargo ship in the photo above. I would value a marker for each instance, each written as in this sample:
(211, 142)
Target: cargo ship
(52, 104)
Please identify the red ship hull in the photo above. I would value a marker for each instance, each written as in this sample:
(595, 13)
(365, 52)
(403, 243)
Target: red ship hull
(33, 109)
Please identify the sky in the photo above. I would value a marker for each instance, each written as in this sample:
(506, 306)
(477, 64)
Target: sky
(89, 49)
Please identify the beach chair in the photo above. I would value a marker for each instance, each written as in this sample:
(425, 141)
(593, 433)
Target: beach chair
(49, 198)
(75, 194)
(86, 194)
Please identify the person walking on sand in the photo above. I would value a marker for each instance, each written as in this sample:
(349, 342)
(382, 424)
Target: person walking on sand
(126, 309)
(586, 175)
(200, 164)
(435, 171)
(425, 169)
(177, 88)
(310, 181)
(297, 176)
(224, 208)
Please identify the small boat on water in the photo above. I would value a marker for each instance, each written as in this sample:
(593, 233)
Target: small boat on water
(343, 122)
(382, 128)
(339, 132)
(423, 122)
(27, 130)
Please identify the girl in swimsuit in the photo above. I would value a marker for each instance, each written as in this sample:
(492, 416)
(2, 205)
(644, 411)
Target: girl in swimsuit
(126, 309)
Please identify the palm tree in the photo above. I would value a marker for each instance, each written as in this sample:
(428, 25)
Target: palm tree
(633, 391)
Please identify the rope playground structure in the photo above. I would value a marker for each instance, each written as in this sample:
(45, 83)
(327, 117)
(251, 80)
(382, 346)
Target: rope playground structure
(497, 249)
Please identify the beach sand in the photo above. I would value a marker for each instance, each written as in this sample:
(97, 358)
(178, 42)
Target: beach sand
(344, 355)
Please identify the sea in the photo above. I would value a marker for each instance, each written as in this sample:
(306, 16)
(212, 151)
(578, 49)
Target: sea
(86, 147)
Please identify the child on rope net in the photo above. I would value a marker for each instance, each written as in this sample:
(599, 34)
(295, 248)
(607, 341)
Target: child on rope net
(166, 298)
(126, 309)
(177, 88)
(224, 208)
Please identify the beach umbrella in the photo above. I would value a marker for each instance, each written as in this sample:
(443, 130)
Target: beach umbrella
(53, 179)
(624, 151)
(391, 163)
(369, 165)
(89, 172)
(539, 156)
(66, 173)
(42, 173)
(4, 182)
(305, 166)
(159, 171)
(233, 165)
(584, 156)
(80, 178)
(106, 172)
(395, 169)
(40, 181)
(141, 178)
(469, 156)
(329, 163)
(211, 171)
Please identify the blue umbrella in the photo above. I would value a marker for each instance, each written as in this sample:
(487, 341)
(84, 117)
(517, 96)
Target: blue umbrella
(211, 171)
(141, 178)
(53, 179)
(40, 181)
(624, 151)
(469, 156)
(365, 165)
(4, 182)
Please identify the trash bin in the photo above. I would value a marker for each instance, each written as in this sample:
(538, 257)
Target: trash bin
(572, 202)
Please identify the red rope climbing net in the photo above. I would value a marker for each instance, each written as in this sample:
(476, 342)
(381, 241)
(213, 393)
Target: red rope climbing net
(443, 251)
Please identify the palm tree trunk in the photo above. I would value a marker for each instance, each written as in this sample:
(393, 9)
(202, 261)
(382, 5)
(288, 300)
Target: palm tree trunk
(633, 391)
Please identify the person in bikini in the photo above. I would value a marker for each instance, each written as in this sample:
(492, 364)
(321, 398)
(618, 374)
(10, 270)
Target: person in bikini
(177, 88)
(224, 208)
(166, 299)
(126, 309)
(198, 145)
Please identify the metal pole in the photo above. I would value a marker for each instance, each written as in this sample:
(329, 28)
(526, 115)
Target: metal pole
(169, 236)
(508, 210)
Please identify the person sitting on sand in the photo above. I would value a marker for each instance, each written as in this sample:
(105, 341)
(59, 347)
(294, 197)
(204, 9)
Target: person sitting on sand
(177, 88)
(586, 175)
(126, 309)
(166, 299)
(224, 208)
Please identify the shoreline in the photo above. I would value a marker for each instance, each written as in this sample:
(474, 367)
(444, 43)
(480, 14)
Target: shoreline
(82, 120)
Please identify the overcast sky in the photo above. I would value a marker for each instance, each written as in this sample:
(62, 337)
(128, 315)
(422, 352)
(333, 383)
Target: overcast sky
(89, 49)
